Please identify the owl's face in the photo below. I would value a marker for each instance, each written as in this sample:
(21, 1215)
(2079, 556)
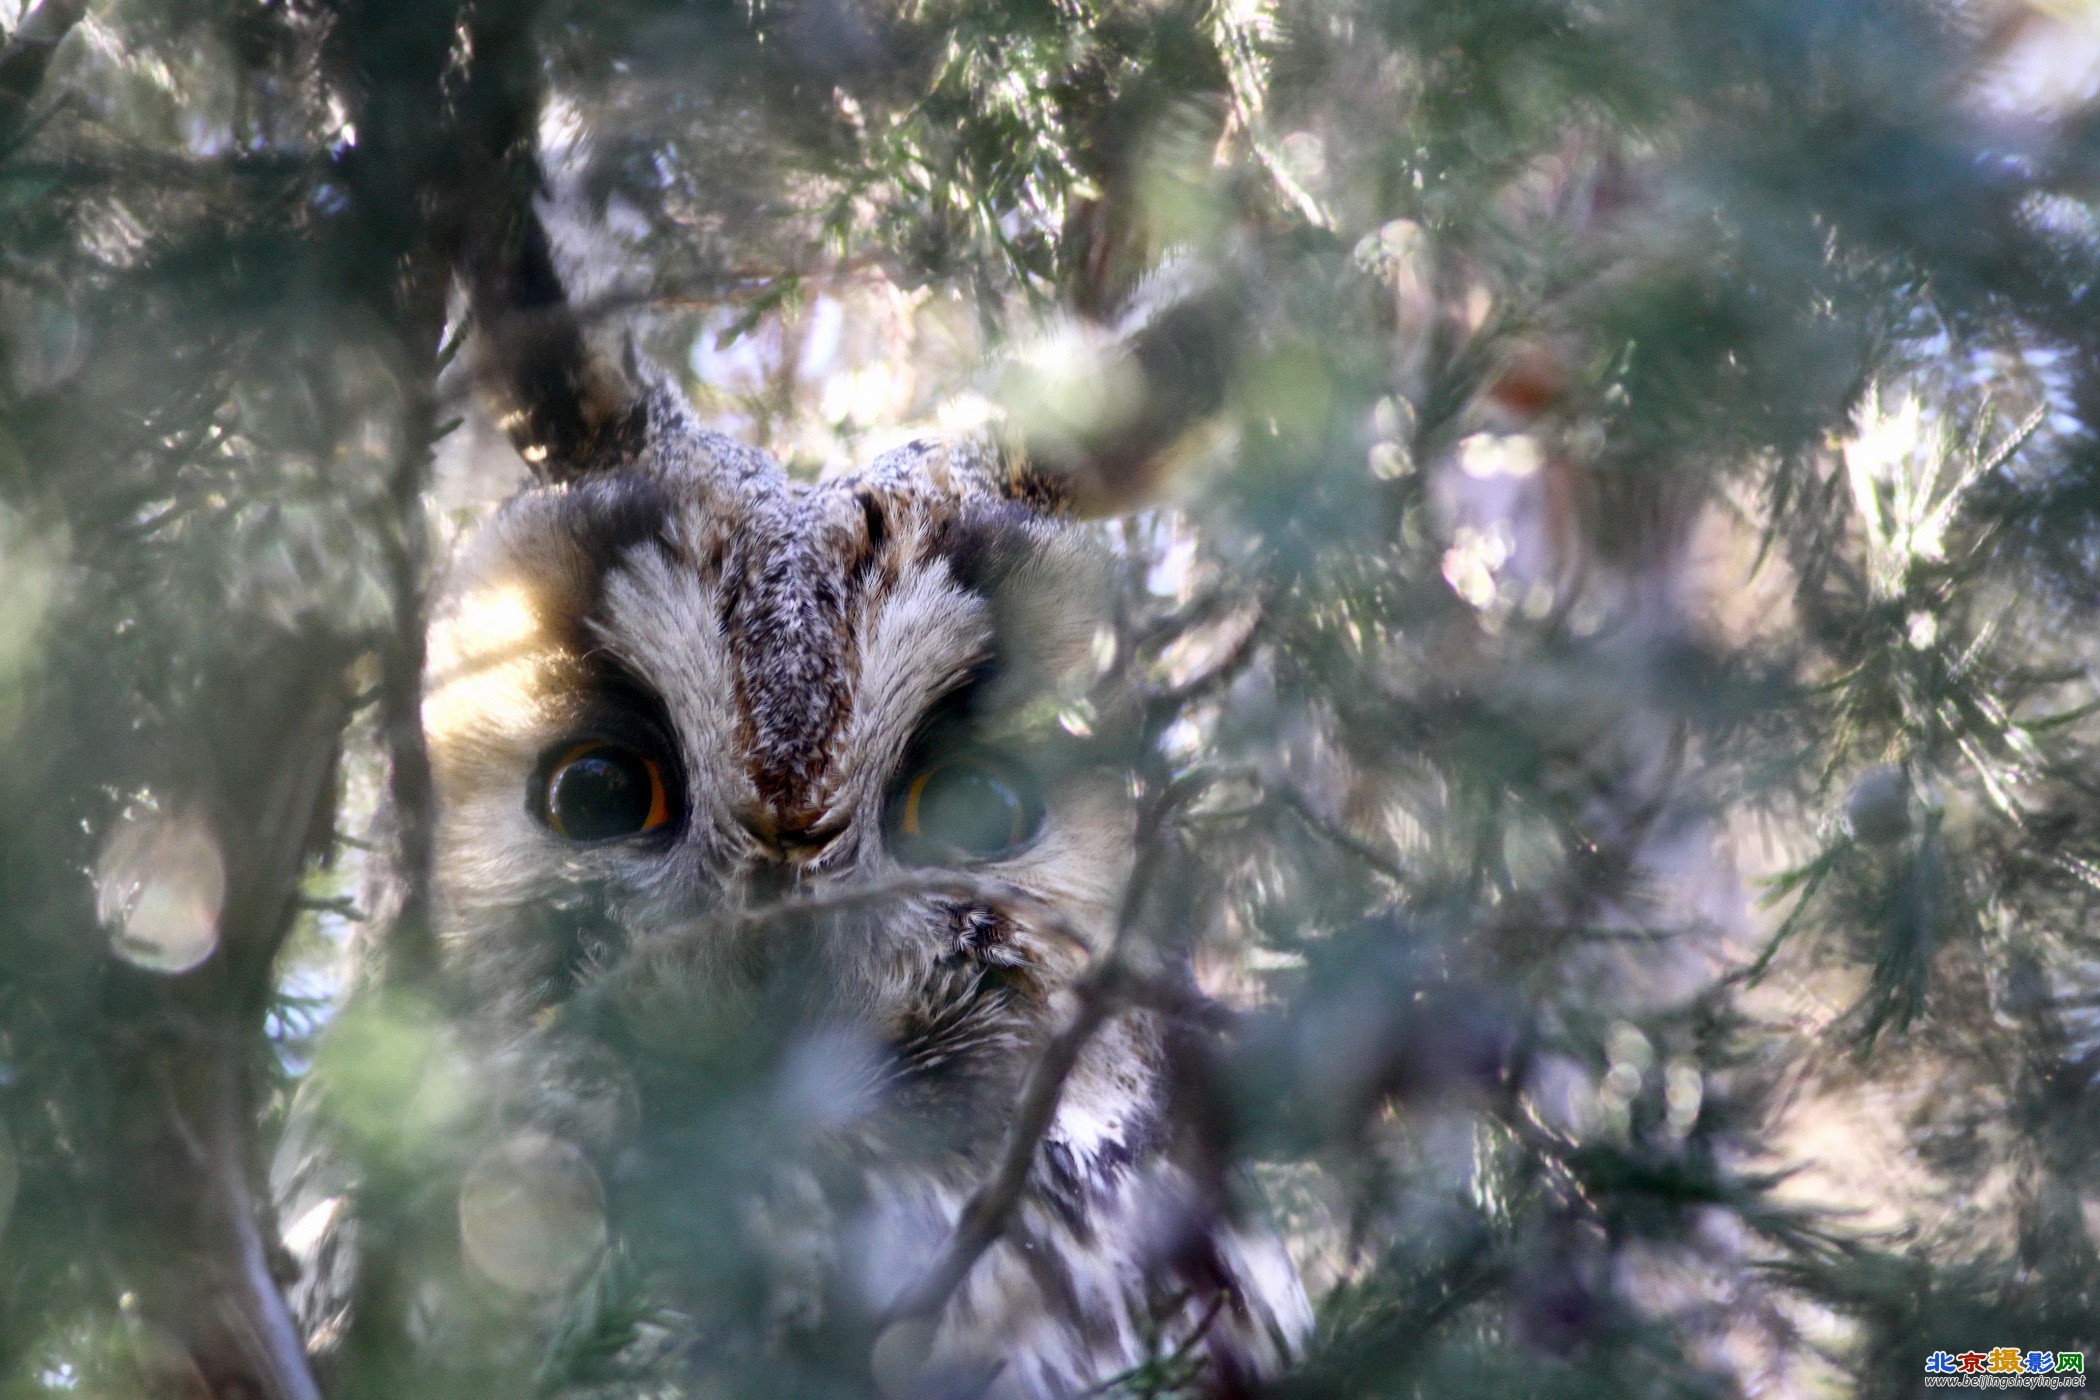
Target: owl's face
(669, 697)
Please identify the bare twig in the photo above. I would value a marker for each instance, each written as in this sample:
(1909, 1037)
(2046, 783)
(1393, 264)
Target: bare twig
(1202, 608)
(1171, 701)
(1294, 802)
(1109, 986)
(1100, 994)
(1105, 991)
(1174, 1360)
(411, 947)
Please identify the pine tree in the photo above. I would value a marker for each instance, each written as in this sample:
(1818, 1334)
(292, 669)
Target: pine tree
(1611, 691)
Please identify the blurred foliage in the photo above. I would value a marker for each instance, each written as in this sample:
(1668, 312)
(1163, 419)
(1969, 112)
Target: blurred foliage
(1620, 658)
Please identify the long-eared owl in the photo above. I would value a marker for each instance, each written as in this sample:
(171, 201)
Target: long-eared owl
(730, 764)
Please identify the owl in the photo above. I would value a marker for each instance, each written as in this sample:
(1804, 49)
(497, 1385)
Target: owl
(743, 756)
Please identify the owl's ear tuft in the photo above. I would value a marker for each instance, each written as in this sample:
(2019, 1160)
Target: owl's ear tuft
(569, 407)
(569, 410)
(1100, 420)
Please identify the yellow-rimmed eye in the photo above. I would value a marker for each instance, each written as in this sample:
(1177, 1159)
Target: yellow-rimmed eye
(598, 791)
(973, 808)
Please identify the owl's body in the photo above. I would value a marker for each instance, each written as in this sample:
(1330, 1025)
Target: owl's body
(705, 741)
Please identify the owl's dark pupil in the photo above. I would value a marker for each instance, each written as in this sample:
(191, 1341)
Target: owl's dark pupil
(967, 808)
(604, 793)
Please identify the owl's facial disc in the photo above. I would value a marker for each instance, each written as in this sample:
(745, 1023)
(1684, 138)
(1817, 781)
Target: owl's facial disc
(659, 706)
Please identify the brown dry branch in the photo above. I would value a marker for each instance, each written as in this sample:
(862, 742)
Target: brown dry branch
(201, 1251)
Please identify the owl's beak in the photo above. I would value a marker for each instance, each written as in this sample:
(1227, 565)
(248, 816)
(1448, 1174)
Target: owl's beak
(785, 852)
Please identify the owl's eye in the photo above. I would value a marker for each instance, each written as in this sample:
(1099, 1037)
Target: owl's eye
(961, 810)
(598, 791)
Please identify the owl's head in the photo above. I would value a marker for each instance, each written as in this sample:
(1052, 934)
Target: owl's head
(685, 711)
